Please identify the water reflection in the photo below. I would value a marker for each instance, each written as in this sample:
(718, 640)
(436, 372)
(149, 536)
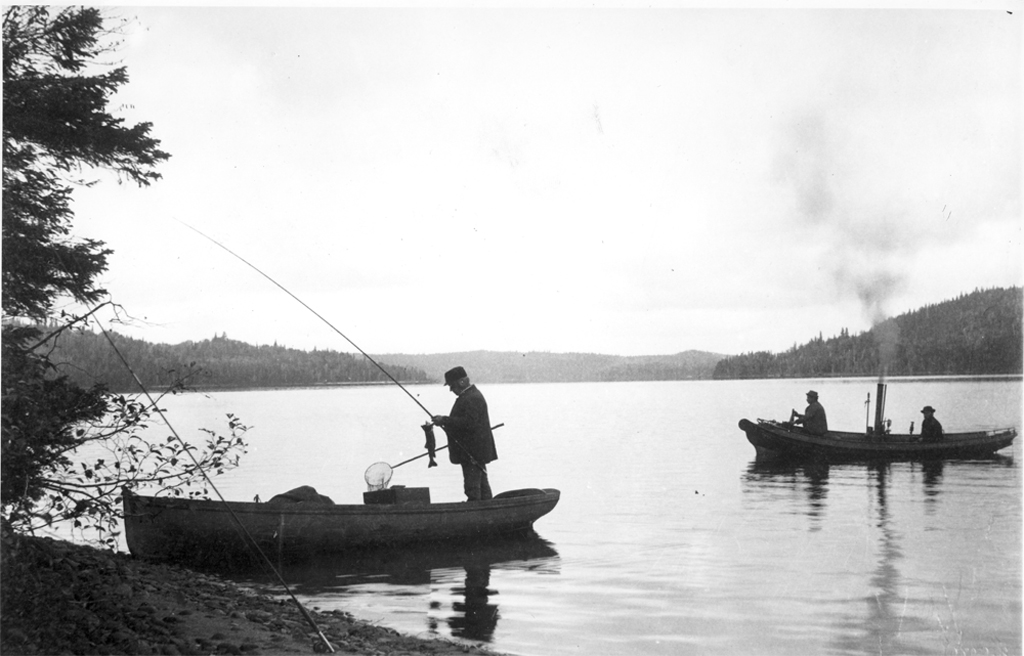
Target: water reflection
(884, 623)
(887, 618)
(932, 471)
(810, 477)
(457, 573)
(475, 617)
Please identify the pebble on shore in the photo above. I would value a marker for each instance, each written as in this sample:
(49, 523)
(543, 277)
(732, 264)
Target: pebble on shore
(63, 598)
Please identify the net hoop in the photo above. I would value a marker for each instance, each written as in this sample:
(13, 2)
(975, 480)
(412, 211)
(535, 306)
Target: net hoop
(377, 476)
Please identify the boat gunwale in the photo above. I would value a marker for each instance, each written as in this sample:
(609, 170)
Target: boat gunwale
(852, 439)
(772, 437)
(199, 527)
(549, 496)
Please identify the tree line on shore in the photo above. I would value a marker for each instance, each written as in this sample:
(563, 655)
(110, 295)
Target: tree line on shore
(545, 367)
(88, 358)
(974, 334)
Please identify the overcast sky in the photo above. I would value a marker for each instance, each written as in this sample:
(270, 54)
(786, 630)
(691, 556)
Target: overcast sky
(562, 179)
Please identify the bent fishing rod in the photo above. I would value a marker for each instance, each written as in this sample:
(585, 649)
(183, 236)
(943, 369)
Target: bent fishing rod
(317, 314)
(331, 326)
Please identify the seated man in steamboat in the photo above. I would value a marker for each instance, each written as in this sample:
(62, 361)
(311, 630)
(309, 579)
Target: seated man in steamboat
(931, 429)
(470, 440)
(813, 418)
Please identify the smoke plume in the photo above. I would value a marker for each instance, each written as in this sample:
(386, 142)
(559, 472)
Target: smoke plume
(865, 238)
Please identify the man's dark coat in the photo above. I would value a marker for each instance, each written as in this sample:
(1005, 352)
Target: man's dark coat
(469, 429)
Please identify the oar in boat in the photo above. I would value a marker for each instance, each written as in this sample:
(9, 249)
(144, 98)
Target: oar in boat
(378, 475)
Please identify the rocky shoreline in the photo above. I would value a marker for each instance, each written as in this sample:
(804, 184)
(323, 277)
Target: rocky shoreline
(62, 598)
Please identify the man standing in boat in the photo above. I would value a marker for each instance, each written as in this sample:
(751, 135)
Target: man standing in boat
(813, 419)
(468, 426)
(931, 429)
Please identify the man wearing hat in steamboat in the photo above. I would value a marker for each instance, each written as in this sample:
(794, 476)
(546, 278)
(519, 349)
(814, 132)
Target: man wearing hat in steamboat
(931, 429)
(470, 440)
(813, 419)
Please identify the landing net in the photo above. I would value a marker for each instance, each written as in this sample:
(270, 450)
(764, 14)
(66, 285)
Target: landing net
(378, 475)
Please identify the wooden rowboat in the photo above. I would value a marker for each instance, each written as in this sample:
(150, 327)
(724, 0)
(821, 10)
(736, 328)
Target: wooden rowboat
(774, 439)
(202, 531)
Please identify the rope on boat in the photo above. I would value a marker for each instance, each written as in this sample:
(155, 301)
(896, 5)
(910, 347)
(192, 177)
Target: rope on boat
(250, 543)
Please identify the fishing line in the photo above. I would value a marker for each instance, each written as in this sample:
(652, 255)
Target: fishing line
(332, 327)
(251, 544)
(317, 314)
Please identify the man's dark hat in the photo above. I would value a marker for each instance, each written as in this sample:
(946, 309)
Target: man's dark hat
(927, 408)
(812, 393)
(453, 375)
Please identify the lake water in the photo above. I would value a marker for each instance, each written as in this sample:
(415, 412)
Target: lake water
(669, 537)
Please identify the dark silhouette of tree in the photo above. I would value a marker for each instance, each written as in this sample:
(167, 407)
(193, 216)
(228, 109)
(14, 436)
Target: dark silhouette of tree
(56, 127)
(55, 122)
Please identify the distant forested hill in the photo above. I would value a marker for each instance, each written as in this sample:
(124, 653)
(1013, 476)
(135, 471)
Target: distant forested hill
(977, 333)
(543, 367)
(220, 362)
(974, 334)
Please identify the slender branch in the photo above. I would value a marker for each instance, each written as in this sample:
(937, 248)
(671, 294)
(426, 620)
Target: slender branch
(68, 325)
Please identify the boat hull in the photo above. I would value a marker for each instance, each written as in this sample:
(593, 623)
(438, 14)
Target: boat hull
(174, 529)
(776, 440)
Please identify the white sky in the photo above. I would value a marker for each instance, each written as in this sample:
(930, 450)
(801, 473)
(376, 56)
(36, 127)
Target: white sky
(618, 181)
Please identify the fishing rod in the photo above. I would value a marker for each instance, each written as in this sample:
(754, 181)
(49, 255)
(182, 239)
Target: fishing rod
(332, 327)
(317, 314)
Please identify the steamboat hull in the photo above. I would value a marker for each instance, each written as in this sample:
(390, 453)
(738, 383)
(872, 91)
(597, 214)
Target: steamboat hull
(775, 440)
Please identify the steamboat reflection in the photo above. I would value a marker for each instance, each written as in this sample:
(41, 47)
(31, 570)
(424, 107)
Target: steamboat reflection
(886, 621)
(878, 626)
(885, 625)
(453, 579)
(810, 477)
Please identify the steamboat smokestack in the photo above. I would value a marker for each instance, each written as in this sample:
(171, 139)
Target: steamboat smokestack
(880, 410)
